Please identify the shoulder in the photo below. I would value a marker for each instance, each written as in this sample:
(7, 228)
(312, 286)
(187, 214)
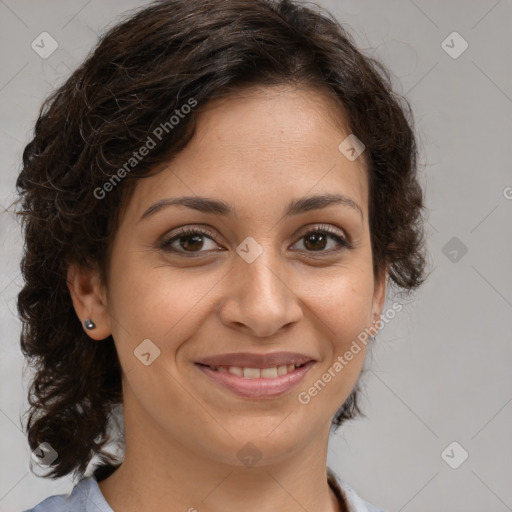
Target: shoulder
(344, 492)
(85, 497)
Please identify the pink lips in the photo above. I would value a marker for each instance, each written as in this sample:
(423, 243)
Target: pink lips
(251, 360)
(258, 387)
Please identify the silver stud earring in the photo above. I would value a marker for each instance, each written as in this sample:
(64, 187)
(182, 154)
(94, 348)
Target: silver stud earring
(89, 324)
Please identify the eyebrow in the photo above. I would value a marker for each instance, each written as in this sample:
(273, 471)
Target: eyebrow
(217, 207)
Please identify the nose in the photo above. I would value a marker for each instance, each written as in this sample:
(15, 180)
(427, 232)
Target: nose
(259, 297)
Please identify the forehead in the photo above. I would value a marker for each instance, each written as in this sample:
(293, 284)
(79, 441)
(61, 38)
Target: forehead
(260, 147)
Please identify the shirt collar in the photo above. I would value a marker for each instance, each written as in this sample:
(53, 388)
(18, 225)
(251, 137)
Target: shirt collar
(345, 494)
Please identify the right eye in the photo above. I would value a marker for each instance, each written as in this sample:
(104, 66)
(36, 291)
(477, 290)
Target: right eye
(187, 242)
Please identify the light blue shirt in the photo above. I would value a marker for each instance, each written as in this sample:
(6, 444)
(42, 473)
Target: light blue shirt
(86, 497)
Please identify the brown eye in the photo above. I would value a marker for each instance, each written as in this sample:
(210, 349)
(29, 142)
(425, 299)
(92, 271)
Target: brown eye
(319, 239)
(315, 241)
(189, 241)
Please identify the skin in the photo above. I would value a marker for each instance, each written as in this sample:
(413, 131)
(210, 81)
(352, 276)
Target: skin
(256, 151)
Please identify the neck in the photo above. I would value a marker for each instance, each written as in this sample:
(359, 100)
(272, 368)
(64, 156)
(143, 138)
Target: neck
(159, 473)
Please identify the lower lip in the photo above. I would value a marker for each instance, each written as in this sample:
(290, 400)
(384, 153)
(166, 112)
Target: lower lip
(257, 388)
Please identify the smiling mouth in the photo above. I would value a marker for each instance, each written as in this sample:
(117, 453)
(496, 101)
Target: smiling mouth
(257, 383)
(272, 372)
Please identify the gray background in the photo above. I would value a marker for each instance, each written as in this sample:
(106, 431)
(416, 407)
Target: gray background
(440, 371)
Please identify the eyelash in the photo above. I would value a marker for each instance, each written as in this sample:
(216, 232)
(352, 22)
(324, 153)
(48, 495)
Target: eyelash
(165, 245)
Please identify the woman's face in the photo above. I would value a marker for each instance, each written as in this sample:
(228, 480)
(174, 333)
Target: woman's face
(249, 280)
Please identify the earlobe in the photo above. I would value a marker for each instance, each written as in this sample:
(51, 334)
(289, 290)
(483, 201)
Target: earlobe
(89, 300)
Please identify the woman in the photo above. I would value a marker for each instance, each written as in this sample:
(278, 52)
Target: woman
(214, 204)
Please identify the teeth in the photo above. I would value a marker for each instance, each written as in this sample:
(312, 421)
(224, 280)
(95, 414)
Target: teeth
(269, 373)
(252, 373)
(282, 370)
(235, 370)
(257, 373)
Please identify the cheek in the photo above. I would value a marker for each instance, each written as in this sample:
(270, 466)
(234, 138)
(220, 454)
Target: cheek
(344, 313)
(155, 303)
(351, 314)
(343, 303)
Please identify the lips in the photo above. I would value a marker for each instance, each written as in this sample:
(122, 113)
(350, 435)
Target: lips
(252, 360)
(257, 375)
(255, 386)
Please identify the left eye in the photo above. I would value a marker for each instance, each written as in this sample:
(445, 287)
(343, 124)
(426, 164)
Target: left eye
(191, 241)
(317, 240)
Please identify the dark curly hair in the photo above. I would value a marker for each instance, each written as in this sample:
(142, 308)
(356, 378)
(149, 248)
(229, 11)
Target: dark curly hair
(141, 73)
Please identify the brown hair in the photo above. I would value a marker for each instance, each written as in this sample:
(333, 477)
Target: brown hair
(140, 73)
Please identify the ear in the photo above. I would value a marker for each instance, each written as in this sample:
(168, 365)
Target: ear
(379, 295)
(89, 299)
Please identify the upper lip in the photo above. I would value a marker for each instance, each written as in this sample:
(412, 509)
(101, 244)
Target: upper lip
(251, 360)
